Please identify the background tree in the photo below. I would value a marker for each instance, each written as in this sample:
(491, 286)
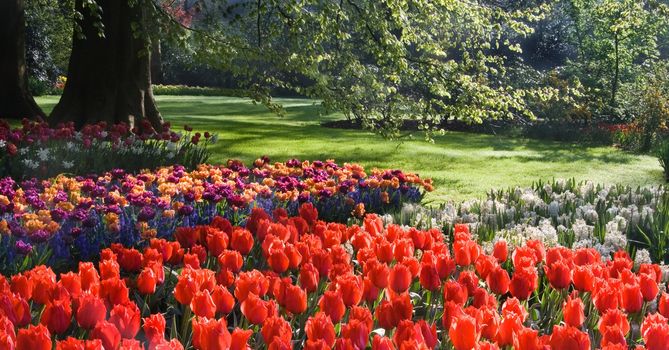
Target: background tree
(614, 40)
(15, 99)
(48, 43)
(109, 74)
(380, 62)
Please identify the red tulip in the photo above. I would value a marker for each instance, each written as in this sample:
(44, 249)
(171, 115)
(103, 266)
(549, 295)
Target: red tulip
(510, 325)
(523, 282)
(357, 332)
(500, 251)
(33, 338)
(276, 328)
(527, 339)
(351, 289)
(255, 309)
(77, 344)
(209, 334)
(154, 328)
(114, 291)
(203, 305)
(241, 241)
(308, 212)
(333, 305)
(464, 333)
(72, 283)
(91, 310)
(320, 327)
(250, 282)
(655, 332)
(22, 285)
(217, 241)
(146, 282)
(569, 338)
(632, 299)
(429, 277)
(611, 318)
(291, 297)
(606, 297)
(308, 277)
(400, 278)
(57, 315)
(648, 286)
(239, 339)
(454, 291)
(584, 278)
(223, 299)
(107, 333)
(382, 343)
(558, 274)
(613, 335)
(126, 318)
(231, 260)
(278, 260)
(498, 280)
(130, 260)
(573, 312)
(490, 323)
(663, 305)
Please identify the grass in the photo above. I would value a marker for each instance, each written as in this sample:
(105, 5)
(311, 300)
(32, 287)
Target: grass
(463, 165)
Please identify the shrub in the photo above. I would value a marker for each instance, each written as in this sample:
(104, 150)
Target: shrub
(37, 150)
(647, 105)
(180, 90)
(663, 156)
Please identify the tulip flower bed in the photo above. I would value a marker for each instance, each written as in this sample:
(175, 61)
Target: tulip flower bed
(72, 218)
(37, 150)
(298, 282)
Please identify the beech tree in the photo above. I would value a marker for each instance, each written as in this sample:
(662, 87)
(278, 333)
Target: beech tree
(109, 74)
(15, 99)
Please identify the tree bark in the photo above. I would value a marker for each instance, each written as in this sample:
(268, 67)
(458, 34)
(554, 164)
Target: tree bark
(109, 78)
(156, 62)
(616, 70)
(15, 99)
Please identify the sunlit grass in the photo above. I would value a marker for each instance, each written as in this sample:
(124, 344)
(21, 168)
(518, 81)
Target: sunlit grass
(463, 165)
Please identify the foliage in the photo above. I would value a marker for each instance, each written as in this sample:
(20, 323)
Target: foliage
(48, 42)
(614, 40)
(647, 102)
(36, 150)
(184, 90)
(379, 62)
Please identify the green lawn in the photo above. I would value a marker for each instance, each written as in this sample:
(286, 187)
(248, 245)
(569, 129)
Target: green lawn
(463, 165)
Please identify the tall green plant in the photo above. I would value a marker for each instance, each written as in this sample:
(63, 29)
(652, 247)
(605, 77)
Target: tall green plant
(614, 38)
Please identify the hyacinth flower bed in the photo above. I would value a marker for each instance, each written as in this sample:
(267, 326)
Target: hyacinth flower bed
(606, 218)
(66, 219)
(36, 150)
(298, 282)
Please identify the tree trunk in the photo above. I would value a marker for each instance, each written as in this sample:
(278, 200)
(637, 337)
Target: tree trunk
(616, 71)
(15, 99)
(109, 78)
(156, 62)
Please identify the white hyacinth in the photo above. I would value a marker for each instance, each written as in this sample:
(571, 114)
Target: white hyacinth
(43, 154)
